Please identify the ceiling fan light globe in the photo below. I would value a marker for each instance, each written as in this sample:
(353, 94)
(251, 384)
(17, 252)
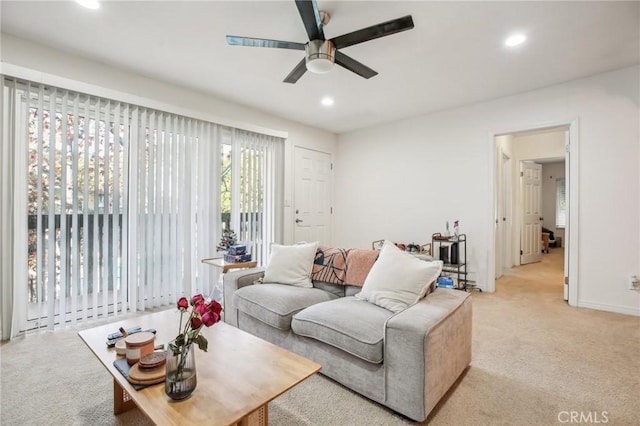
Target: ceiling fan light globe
(320, 56)
(319, 65)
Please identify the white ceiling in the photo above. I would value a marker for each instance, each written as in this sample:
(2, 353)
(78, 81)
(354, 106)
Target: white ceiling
(453, 56)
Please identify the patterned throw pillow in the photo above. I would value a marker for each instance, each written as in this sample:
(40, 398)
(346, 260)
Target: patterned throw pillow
(330, 265)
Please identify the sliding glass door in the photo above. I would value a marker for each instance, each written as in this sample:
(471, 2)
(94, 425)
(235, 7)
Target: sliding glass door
(75, 204)
(110, 207)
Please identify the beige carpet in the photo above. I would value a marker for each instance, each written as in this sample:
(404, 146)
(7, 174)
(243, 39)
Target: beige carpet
(535, 360)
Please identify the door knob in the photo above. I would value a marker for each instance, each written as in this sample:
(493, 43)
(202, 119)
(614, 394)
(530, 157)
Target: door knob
(299, 220)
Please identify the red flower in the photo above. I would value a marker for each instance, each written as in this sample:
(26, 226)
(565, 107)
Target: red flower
(196, 323)
(201, 309)
(210, 318)
(214, 307)
(202, 312)
(197, 299)
(183, 303)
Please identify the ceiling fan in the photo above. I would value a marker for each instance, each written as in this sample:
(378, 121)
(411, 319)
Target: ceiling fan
(320, 53)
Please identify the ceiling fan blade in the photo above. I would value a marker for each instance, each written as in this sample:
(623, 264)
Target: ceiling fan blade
(297, 72)
(311, 18)
(373, 32)
(353, 65)
(263, 42)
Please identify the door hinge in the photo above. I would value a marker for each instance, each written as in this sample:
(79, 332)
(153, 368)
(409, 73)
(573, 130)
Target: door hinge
(566, 280)
(521, 174)
(331, 210)
(567, 148)
(520, 252)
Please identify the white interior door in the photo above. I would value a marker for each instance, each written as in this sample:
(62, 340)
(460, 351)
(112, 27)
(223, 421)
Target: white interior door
(531, 230)
(312, 196)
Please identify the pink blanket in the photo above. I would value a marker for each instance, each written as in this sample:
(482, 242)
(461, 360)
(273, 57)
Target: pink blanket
(359, 263)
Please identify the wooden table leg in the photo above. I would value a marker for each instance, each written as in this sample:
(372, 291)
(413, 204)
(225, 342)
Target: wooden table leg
(259, 417)
(121, 399)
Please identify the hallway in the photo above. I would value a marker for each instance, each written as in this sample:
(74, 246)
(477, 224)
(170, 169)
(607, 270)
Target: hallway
(544, 278)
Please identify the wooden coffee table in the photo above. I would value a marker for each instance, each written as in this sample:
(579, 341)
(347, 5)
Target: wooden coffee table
(237, 377)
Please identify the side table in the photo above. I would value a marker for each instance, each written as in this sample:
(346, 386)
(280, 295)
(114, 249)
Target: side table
(218, 262)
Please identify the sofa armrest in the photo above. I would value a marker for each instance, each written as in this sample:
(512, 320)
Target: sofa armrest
(232, 281)
(427, 346)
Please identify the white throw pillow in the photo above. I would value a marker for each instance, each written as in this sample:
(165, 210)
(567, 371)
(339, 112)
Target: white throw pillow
(398, 280)
(291, 264)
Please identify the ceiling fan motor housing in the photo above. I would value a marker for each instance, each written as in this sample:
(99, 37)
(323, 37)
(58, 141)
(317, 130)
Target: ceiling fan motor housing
(320, 56)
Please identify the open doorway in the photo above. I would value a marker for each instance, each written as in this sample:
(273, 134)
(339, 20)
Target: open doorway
(523, 229)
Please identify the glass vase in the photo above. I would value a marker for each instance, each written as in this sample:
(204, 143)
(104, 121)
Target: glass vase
(181, 378)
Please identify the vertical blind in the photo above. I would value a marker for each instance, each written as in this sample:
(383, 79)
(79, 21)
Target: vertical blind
(111, 206)
(257, 180)
(174, 205)
(68, 207)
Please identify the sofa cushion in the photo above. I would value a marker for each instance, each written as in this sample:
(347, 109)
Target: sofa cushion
(398, 280)
(291, 264)
(352, 290)
(352, 325)
(337, 289)
(275, 304)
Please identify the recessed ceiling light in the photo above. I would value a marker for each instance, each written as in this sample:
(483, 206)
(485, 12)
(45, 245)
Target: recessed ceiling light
(89, 4)
(327, 101)
(515, 40)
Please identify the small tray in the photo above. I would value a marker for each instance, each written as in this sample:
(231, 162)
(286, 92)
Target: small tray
(152, 360)
(145, 376)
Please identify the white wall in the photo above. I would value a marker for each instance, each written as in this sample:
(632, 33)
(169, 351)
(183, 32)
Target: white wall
(403, 180)
(146, 91)
(539, 144)
(551, 172)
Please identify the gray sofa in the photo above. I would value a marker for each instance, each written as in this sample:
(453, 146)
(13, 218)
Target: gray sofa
(406, 361)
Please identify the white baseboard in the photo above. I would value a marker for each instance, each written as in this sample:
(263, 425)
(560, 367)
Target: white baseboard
(609, 308)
